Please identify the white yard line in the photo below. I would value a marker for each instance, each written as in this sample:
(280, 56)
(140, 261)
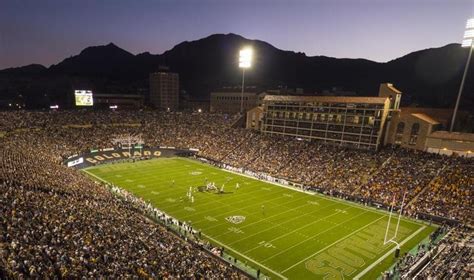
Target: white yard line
(330, 245)
(266, 217)
(306, 240)
(277, 225)
(98, 178)
(367, 269)
(246, 257)
(250, 199)
(358, 205)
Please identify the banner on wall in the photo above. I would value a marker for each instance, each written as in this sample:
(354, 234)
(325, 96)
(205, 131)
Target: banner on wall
(100, 156)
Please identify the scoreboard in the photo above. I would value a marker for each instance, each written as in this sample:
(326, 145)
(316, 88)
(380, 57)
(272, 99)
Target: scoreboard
(83, 98)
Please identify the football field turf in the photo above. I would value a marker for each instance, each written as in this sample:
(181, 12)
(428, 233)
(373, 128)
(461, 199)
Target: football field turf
(284, 232)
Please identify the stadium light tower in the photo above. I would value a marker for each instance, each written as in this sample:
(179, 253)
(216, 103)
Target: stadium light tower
(245, 61)
(468, 42)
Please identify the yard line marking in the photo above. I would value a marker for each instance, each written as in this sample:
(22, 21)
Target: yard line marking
(234, 198)
(225, 205)
(248, 236)
(97, 177)
(367, 269)
(306, 240)
(332, 244)
(225, 213)
(244, 256)
(267, 217)
(326, 197)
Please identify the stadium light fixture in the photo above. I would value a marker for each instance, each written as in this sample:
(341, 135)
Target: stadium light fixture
(245, 61)
(468, 42)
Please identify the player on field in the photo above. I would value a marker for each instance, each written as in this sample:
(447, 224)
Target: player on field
(237, 186)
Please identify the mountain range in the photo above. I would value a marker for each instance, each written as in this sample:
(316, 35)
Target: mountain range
(429, 77)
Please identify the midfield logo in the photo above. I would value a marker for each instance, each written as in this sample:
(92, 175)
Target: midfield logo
(235, 219)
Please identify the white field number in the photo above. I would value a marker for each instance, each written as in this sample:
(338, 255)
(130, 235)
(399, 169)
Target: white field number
(266, 244)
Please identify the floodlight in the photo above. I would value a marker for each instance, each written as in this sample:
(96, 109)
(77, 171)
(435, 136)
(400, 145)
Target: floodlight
(470, 23)
(245, 58)
(468, 34)
(466, 43)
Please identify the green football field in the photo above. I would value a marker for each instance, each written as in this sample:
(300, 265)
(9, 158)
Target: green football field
(284, 232)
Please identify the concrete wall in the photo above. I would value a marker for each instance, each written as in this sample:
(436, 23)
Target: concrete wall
(404, 139)
(448, 147)
(229, 102)
(254, 118)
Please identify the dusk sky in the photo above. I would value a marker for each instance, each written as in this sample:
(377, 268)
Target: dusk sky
(47, 31)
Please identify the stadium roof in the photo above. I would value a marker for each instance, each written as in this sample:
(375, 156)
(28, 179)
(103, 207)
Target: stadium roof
(329, 99)
(456, 136)
(425, 118)
(391, 87)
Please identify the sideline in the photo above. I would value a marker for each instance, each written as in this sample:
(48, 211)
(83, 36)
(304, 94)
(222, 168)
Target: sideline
(367, 269)
(244, 256)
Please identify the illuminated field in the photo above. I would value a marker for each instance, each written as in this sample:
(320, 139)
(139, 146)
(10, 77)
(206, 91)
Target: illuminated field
(285, 233)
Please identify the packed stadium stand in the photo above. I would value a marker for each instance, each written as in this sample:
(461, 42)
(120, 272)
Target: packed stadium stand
(57, 223)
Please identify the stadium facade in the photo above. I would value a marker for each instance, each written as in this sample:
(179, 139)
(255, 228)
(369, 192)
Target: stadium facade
(359, 122)
(349, 121)
(230, 100)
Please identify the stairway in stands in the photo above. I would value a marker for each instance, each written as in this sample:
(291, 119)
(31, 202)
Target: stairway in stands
(366, 179)
(261, 152)
(427, 187)
(236, 147)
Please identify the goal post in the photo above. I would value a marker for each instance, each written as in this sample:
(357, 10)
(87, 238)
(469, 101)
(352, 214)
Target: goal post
(392, 239)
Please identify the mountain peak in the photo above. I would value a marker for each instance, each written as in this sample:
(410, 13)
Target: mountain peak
(109, 49)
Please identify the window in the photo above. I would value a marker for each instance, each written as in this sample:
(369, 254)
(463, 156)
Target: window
(415, 129)
(400, 127)
(356, 119)
(399, 133)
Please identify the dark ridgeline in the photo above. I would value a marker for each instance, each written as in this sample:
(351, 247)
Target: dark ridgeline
(428, 77)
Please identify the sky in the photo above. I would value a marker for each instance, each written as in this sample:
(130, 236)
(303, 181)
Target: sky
(48, 31)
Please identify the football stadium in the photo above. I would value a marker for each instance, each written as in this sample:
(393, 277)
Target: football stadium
(317, 148)
(153, 194)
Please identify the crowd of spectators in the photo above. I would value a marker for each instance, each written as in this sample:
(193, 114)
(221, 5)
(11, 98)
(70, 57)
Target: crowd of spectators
(454, 257)
(75, 221)
(56, 223)
(451, 193)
